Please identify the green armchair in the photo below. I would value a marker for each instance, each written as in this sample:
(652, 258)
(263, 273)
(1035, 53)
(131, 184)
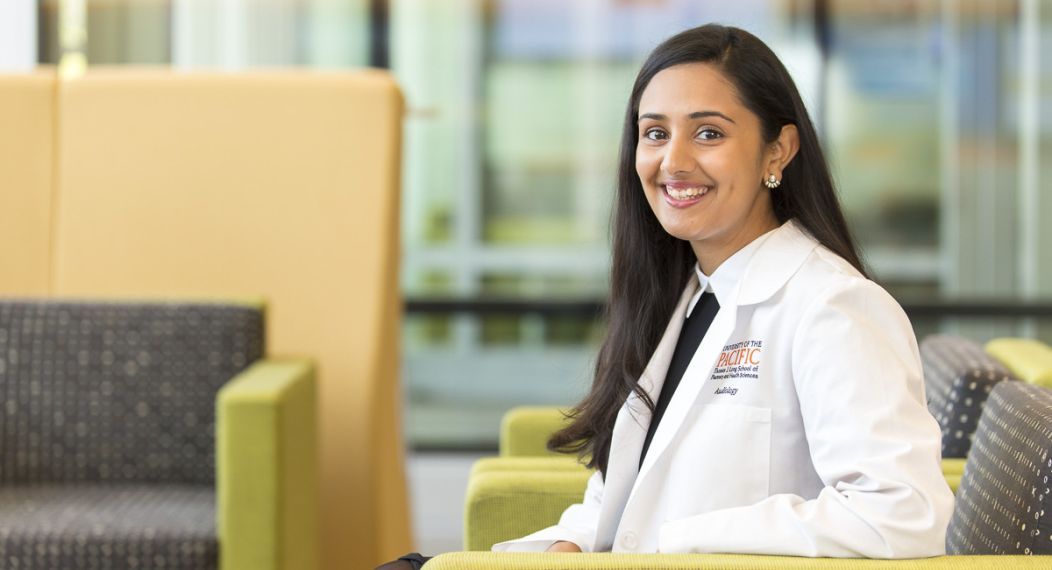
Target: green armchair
(153, 435)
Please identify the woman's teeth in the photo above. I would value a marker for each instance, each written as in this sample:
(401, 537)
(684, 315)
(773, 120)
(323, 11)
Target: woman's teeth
(686, 193)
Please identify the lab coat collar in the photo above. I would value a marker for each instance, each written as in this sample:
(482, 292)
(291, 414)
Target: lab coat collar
(703, 280)
(739, 281)
(776, 258)
(724, 281)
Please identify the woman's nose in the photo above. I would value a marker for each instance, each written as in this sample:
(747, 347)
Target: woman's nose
(677, 159)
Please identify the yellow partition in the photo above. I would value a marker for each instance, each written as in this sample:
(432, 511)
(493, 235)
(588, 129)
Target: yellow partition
(27, 128)
(1028, 359)
(280, 184)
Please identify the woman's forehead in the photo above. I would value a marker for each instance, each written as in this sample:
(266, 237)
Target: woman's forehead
(679, 91)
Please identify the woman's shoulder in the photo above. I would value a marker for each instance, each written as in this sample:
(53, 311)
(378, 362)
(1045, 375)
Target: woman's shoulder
(826, 266)
(825, 274)
(827, 282)
(794, 270)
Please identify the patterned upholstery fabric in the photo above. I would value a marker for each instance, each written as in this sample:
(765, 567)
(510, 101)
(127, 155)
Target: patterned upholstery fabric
(1004, 504)
(107, 430)
(93, 526)
(104, 392)
(958, 377)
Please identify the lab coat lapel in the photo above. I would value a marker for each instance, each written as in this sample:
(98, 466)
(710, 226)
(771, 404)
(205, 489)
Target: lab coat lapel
(632, 423)
(690, 386)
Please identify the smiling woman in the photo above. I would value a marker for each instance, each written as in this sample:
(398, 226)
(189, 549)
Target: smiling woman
(756, 392)
(729, 240)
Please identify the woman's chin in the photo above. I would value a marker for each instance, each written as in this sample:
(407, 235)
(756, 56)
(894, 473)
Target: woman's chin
(683, 231)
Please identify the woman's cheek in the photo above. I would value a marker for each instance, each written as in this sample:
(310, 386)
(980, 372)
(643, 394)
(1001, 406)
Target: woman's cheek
(643, 166)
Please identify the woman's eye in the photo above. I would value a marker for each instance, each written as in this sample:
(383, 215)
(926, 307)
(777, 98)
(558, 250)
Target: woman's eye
(654, 135)
(709, 134)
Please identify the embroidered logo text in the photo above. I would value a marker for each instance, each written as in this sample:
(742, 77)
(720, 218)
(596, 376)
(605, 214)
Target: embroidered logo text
(739, 360)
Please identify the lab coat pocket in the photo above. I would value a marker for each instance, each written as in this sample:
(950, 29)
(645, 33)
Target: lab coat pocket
(723, 459)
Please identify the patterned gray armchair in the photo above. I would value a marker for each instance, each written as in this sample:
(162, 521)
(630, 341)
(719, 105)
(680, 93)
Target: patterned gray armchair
(108, 439)
(958, 378)
(1004, 504)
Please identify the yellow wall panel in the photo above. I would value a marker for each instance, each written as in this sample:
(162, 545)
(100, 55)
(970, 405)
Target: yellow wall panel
(280, 184)
(26, 168)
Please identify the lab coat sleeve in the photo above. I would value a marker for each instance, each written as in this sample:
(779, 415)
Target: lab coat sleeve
(873, 442)
(577, 524)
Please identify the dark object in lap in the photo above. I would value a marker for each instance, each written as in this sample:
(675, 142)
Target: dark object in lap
(413, 561)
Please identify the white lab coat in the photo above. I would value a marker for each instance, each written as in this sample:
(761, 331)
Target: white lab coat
(799, 427)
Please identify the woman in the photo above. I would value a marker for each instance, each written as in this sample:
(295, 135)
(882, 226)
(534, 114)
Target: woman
(773, 405)
(756, 393)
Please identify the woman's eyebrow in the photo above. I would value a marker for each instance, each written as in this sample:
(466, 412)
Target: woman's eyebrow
(694, 115)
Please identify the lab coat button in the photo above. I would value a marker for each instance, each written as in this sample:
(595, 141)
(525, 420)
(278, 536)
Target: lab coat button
(629, 541)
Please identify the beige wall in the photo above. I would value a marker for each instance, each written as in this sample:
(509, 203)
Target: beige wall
(27, 127)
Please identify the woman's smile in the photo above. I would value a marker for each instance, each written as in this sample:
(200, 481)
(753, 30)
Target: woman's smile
(683, 194)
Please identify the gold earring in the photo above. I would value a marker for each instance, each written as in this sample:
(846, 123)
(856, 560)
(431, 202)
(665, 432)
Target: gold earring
(772, 182)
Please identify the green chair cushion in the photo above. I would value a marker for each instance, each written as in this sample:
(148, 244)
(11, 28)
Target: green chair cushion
(1028, 359)
(524, 431)
(502, 505)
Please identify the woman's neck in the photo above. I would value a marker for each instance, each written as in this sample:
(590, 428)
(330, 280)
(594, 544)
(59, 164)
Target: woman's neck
(712, 254)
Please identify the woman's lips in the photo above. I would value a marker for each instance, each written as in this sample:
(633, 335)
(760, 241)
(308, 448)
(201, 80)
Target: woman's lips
(683, 195)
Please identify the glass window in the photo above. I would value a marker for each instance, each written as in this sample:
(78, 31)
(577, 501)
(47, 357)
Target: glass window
(936, 117)
(213, 33)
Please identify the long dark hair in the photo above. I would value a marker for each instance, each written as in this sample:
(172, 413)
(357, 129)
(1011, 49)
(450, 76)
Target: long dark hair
(650, 267)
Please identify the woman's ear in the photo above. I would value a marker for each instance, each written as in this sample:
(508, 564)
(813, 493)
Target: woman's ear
(782, 150)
